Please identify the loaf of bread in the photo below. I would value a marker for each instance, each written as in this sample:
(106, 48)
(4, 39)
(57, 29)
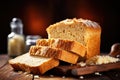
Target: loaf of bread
(57, 53)
(84, 31)
(33, 64)
(68, 45)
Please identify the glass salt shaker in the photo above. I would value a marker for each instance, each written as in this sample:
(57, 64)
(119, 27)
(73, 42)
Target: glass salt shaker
(16, 41)
(31, 40)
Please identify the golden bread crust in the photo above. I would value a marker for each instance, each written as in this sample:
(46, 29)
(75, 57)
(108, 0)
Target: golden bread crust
(64, 44)
(41, 68)
(84, 31)
(57, 53)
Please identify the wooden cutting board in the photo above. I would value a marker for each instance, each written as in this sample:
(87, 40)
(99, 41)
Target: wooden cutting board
(77, 70)
(7, 73)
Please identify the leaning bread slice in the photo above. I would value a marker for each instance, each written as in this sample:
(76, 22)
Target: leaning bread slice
(33, 64)
(57, 53)
(68, 45)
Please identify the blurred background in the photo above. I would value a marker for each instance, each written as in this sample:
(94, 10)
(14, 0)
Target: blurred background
(37, 15)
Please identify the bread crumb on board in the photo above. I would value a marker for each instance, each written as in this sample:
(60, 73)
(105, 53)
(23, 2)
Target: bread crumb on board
(103, 59)
(81, 77)
(98, 60)
(36, 77)
(51, 75)
(97, 73)
(63, 77)
(82, 64)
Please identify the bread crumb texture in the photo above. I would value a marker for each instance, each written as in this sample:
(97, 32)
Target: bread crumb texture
(104, 59)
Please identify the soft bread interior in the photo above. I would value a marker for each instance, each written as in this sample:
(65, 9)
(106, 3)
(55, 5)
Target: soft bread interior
(71, 33)
(29, 60)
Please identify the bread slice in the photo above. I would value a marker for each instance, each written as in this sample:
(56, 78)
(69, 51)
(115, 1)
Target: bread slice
(64, 44)
(33, 64)
(84, 31)
(57, 53)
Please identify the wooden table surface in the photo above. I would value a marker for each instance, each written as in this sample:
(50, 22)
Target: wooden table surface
(7, 73)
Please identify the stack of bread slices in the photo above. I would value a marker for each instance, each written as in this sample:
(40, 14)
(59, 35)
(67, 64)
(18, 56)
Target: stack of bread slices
(69, 40)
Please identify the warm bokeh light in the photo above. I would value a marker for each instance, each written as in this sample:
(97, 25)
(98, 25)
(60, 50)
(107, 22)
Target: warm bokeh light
(88, 11)
(36, 21)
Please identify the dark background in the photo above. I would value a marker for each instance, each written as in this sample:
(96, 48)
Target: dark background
(37, 15)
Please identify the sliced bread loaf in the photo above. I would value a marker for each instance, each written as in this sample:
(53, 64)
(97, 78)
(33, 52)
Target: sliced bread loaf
(64, 44)
(86, 32)
(33, 64)
(57, 53)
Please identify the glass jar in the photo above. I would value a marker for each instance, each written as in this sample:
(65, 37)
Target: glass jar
(16, 41)
(31, 40)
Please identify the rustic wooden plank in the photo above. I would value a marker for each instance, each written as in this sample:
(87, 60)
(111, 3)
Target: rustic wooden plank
(55, 78)
(95, 68)
(113, 74)
(88, 77)
(3, 60)
(7, 73)
(77, 70)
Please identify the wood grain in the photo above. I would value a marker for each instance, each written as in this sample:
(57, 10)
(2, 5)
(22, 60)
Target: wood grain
(78, 71)
(3, 60)
(95, 68)
(7, 73)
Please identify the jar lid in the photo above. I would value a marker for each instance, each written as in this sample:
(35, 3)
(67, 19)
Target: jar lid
(16, 22)
(33, 37)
